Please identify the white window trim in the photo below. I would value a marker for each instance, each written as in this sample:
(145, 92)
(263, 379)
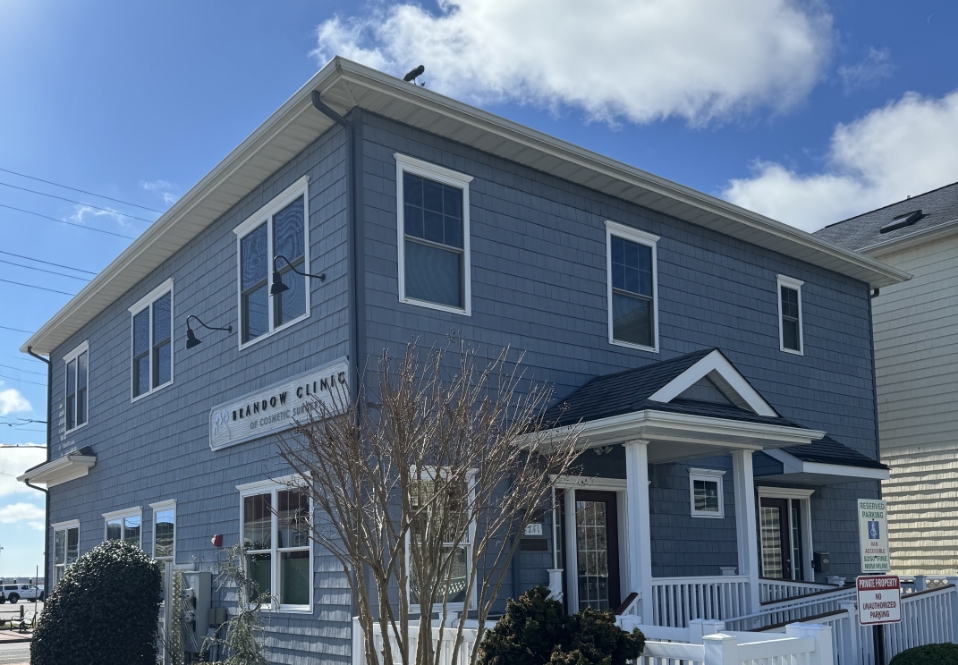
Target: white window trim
(805, 497)
(712, 476)
(265, 215)
(796, 284)
(414, 608)
(273, 486)
(63, 526)
(406, 164)
(643, 238)
(139, 306)
(67, 359)
(159, 507)
(120, 514)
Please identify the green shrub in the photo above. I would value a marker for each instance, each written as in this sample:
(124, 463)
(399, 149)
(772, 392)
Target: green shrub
(536, 631)
(930, 654)
(103, 612)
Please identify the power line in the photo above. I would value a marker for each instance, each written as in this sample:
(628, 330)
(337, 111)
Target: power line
(31, 286)
(81, 203)
(49, 263)
(82, 191)
(20, 445)
(25, 371)
(24, 358)
(52, 272)
(62, 221)
(29, 332)
(25, 420)
(13, 378)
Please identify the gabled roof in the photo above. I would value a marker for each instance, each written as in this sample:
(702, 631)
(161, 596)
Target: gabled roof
(346, 85)
(939, 212)
(829, 451)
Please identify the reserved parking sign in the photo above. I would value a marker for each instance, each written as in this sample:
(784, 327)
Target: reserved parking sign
(873, 535)
(879, 599)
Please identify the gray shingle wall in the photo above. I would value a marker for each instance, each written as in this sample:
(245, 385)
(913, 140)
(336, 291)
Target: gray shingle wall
(157, 448)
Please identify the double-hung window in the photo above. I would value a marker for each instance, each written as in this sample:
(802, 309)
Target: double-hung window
(153, 340)
(164, 530)
(77, 382)
(272, 243)
(433, 226)
(790, 314)
(125, 525)
(705, 488)
(66, 547)
(632, 287)
(275, 530)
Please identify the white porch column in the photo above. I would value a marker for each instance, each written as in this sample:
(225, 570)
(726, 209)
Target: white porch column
(745, 524)
(640, 528)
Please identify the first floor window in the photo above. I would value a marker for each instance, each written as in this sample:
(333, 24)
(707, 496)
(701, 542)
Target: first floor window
(124, 525)
(632, 286)
(66, 548)
(77, 377)
(706, 493)
(275, 532)
(164, 530)
(790, 314)
(153, 340)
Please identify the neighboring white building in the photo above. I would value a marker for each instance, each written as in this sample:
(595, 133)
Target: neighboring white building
(916, 358)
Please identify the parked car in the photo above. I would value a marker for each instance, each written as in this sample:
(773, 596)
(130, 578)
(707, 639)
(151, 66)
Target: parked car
(17, 592)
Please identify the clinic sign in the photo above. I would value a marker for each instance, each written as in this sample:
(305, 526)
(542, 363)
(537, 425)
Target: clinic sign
(879, 599)
(873, 535)
(278, 407)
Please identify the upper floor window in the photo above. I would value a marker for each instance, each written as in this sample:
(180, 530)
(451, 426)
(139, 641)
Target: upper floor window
(705, 487)
(77, 382)
(433, 227)
(632, 287)
(153, 340)
(66, 548)
(277, 230)
(790, 314)
(125, 525)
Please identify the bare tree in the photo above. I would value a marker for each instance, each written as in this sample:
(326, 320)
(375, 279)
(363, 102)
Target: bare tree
(422, 490)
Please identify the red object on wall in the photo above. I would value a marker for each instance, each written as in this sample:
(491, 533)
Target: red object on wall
(217, 540)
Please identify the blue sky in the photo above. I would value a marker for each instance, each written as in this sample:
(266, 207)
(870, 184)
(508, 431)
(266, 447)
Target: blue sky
(807, 111)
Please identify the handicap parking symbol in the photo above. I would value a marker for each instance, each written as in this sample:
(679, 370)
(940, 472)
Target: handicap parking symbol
(873, 530)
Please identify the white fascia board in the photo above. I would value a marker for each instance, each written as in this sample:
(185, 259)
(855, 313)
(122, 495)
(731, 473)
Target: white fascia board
(793, 465)
(718, 364)
(63, 469)
(125, 512)
(69, 524)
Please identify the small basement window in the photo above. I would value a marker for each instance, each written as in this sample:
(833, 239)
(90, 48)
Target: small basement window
(705, 488)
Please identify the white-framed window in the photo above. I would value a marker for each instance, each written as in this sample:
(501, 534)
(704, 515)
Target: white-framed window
(633, 286)
(164, 530)
(274, 526)
(790, 315)
(76, 389)
(125, 525)
(432, 212)
(705, 493)
(461, 552)
(152, 337)
(66, 547)
(278, 229)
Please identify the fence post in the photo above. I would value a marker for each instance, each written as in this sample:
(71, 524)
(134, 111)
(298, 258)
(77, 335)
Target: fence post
(851, 655)
(721, 649)
(953, 606)
(920, 584)
(357, 641)
(699, 628)
(824, 655)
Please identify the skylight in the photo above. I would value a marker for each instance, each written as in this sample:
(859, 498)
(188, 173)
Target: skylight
(901, 221)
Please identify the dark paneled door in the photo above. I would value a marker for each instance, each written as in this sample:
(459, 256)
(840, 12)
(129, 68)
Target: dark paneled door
(780, 523)
(597, 550)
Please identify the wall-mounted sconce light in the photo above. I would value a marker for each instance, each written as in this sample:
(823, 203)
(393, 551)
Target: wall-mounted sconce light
(191, 339)
(278, 286)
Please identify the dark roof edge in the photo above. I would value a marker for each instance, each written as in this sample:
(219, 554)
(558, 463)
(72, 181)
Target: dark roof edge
(870, 212)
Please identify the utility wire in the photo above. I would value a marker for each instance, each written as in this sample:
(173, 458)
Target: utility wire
(20, 445)
(13, 378)
(25, 371)
(89, 205)
(49, 263)
(52, 272)
(31, 286)
(25, 358)
(82, 191)
(54, 219)
(25, 420)
(29, 332)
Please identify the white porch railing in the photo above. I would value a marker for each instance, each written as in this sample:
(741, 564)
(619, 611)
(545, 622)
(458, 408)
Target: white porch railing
(793, 609)
(678, 600)
(773, 590)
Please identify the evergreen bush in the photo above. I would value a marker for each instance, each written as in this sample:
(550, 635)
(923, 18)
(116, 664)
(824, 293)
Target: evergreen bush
(929, 654)
(536, 631)
(103, 612)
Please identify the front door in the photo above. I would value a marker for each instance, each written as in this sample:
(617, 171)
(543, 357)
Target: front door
(780, 521)
(597, 550)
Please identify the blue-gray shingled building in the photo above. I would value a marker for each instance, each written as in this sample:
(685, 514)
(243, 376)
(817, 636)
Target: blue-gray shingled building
(719, 363)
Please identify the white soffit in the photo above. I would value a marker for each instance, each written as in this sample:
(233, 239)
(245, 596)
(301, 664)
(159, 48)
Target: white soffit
(345, 84)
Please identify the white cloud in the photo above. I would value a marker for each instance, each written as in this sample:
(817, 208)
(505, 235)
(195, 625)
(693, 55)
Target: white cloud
(82, 212)
(21, 512)
(162, 188)
(11, 401)
(13, 462)
(904, 148)
(871, 70)
(638, 60)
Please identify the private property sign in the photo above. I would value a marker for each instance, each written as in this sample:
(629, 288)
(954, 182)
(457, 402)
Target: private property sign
(873, 535)
(879, 599)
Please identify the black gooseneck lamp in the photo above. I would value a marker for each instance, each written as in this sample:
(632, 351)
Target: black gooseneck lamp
(191, 339)
(278, 286)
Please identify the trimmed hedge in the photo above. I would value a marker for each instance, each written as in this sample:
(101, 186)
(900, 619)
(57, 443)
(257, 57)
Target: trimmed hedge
(537, 631)
(103, 612)
(930, 654)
